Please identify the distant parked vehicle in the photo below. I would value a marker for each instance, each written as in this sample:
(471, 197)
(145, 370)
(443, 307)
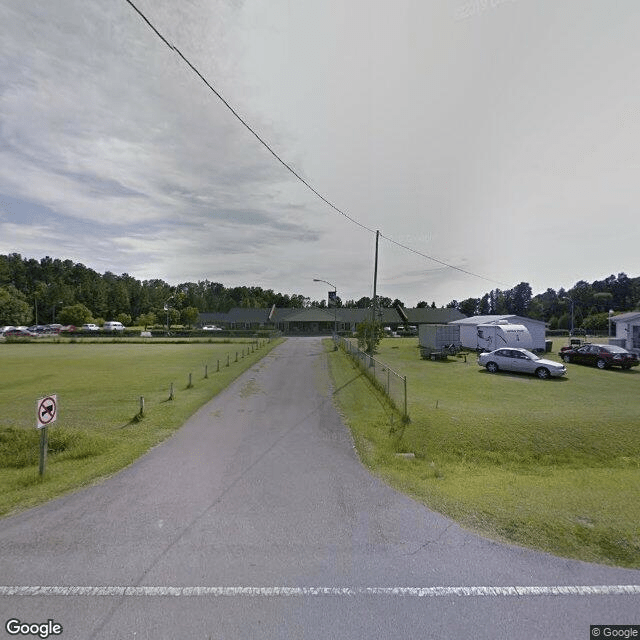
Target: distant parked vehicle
(68, 328)
(18, 332)
(211, 327)
(38, 328)
(602, 356)
(520, 361)
(90, 327)
(113, 326)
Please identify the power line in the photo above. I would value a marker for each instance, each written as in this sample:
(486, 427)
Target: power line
(424, 255)
(285, 164)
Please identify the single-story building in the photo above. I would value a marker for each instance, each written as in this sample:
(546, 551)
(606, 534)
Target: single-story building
(628, 330)
(310, 320)
(469, 328)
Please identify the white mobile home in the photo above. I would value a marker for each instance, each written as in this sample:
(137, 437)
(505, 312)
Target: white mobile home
(628, 330)
(469, 330)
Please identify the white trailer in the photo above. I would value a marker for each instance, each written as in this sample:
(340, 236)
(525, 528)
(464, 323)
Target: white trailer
(434, 338)
(494, 336)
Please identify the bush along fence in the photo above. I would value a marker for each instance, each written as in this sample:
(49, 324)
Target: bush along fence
(390, 382)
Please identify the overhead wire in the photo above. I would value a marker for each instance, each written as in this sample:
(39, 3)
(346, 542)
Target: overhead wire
(287, 166)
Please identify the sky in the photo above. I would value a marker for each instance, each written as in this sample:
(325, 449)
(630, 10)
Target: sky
(499, 137)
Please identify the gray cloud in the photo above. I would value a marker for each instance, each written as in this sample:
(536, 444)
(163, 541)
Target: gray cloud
(474, 136)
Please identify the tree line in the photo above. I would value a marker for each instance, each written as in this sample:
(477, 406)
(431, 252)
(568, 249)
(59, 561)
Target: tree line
(589, 303)
(51, 290)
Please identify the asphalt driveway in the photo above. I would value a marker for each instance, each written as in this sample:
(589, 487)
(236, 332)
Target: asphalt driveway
(257, 520)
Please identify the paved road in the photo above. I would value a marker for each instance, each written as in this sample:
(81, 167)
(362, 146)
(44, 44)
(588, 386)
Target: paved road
(256, 520)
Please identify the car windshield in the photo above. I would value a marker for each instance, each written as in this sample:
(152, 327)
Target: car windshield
(530, 354)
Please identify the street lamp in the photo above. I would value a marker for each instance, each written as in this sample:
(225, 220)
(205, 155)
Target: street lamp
(610, 314)
(570, 300)
(335, 310)
(166, 308)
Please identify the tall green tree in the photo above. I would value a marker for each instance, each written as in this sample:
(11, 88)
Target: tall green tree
(14, 308)
(189, 316)
(75, 314)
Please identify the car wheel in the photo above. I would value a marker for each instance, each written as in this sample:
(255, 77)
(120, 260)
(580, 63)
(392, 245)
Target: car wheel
(492, 367)
(542, 373)
(601, 364)
(566, 358)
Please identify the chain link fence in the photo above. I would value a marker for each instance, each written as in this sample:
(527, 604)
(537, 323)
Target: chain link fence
(390, 382)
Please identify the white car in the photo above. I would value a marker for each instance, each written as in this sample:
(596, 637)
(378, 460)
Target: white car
(211, 327)
(520, 361)
(113, 326)
(90, 327)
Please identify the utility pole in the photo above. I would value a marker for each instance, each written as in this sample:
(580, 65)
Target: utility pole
(375, 280)
(374, 302)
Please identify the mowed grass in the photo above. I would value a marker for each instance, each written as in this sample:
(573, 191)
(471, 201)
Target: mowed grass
(98, 430)
(550, 464)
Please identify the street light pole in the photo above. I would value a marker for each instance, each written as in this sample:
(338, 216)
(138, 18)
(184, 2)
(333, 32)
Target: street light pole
(610, 314)
(335, 310)
(570, 300)
(166, 308)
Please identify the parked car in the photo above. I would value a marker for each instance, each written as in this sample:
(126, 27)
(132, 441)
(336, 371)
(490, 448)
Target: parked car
(602, 356)
(90, 327)
(68, 328)
(520, 361)
(19, 332)
(38, 328)
(211, 327)
(113, 326)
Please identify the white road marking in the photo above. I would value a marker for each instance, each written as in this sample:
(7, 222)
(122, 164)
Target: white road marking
(416, 592)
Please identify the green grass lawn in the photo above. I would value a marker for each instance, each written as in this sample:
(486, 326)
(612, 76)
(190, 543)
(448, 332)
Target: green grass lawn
(99, 388)
(551, 464)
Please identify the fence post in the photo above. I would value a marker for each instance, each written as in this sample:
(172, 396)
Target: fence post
(141, 413)
(171, 391)
(206, 370)
(406, 415)
(190, 383)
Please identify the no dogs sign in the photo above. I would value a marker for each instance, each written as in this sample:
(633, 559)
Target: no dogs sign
(47, 411)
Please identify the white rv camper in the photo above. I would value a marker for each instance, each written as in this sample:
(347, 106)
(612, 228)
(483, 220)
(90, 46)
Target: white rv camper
(494, 336)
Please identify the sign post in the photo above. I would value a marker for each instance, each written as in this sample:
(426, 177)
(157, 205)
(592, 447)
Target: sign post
(46, 414)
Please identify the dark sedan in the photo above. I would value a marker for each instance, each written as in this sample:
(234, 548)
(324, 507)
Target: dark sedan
(602, 356)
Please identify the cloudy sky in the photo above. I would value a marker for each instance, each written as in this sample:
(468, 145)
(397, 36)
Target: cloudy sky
(500, 137)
